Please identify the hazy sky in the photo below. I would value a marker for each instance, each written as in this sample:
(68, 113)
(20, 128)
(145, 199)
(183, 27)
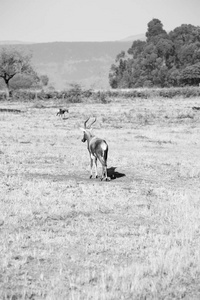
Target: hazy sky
(90, 20)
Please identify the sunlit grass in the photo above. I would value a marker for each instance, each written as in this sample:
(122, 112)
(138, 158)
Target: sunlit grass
(64, 236)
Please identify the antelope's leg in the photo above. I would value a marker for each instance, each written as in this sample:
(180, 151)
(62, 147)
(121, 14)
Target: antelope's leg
(91, 164)
(105, 173)
(95, 164)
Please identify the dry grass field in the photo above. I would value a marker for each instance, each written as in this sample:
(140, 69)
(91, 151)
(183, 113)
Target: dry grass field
(65, 236)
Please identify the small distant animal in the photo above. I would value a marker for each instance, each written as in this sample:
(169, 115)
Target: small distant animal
(97, 148)
(62, 112)
(196, 107)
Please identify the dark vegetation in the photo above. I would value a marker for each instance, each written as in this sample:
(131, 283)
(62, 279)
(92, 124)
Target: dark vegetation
(12, 110)
(163, 60)
(77, 95)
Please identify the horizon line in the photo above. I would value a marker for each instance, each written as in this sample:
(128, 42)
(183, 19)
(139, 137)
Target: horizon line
(126, 39)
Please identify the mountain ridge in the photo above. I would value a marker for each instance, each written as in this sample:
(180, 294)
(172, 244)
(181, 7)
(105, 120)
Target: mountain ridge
(140, 36)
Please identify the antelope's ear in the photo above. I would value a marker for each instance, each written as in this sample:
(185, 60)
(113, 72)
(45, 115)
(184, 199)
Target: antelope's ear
(82, 129)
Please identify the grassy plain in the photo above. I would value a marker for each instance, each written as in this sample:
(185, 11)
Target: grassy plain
(65, 236)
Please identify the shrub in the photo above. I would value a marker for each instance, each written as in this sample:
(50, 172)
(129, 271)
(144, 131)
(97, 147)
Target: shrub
(2, 95)
(102, 96)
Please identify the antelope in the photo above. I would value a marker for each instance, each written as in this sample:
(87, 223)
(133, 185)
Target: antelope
(97, 148)
(62, 112)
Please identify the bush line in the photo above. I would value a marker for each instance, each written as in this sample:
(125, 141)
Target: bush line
(103, 96)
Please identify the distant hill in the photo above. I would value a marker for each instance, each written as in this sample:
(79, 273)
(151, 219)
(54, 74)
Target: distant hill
(13, 42)
(132, 38)
(86, 63)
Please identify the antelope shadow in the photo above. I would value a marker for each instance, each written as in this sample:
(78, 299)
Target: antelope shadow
(114, 174)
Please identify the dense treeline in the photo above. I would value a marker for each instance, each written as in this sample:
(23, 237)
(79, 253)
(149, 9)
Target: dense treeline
(163, 60)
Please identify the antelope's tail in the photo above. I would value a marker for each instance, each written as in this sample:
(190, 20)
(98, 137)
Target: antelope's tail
(105, 156)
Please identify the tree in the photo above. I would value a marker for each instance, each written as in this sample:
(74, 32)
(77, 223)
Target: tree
(183, 37)
(165, 50)
(117, 71)
(155, 30)
(186, 33)
(174, 77)
(44, 79)
(136, 48)
(21, 81)
(12, 63)
(162, 60)
(191, 75)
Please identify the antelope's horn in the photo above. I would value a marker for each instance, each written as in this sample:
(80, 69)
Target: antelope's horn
(86, 122)
(93, 122)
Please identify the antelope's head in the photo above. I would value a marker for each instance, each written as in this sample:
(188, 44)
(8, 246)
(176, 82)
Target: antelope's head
(86, 130)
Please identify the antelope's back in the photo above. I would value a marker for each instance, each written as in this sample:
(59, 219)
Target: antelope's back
(98, 146)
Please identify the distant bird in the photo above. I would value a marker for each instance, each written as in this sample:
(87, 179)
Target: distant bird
(62, 112)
